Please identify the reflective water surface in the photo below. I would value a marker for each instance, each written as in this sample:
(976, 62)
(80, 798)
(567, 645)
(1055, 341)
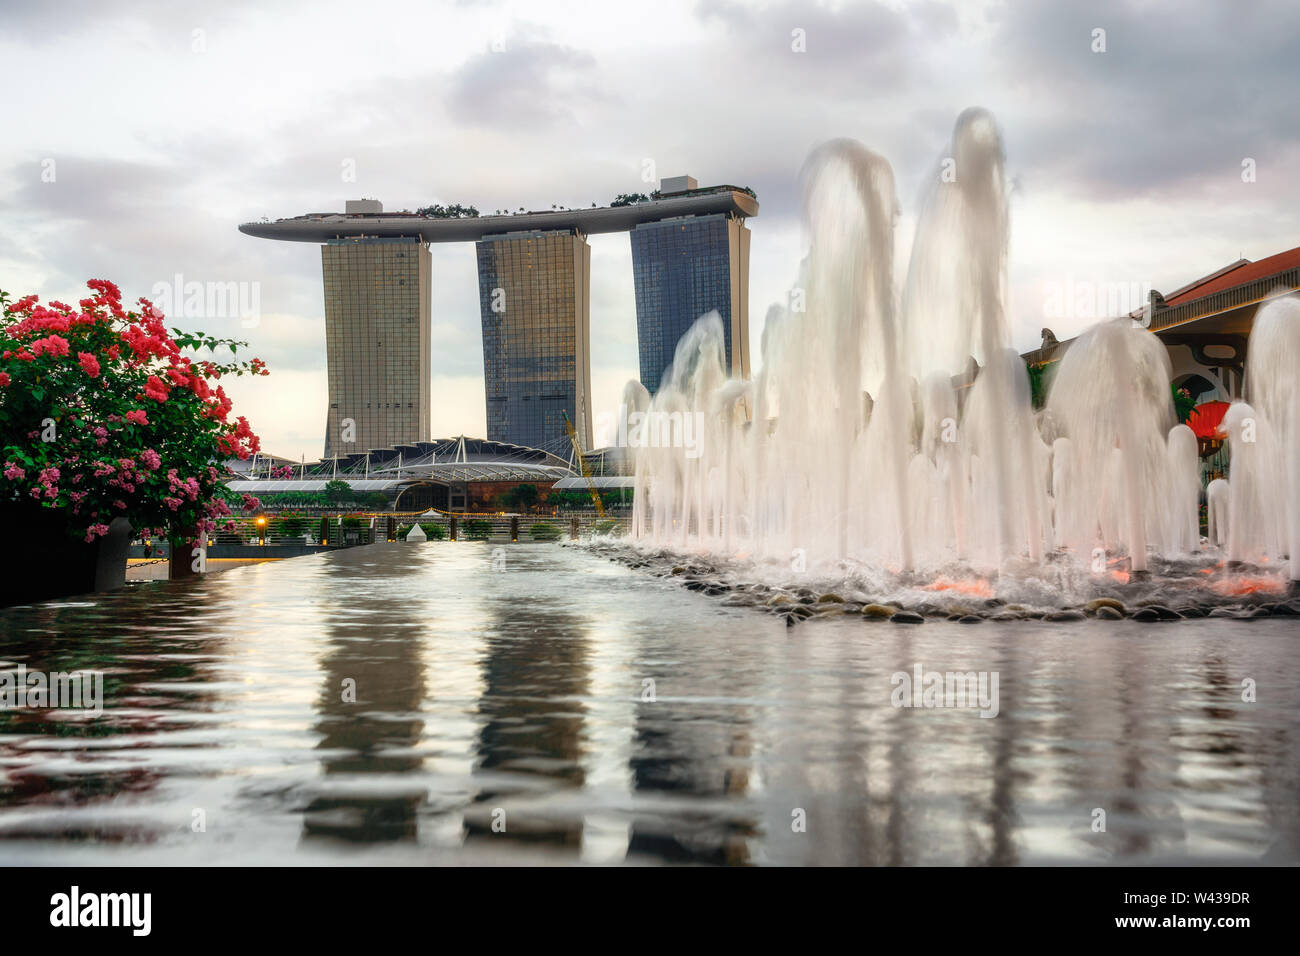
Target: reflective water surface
(564, 708)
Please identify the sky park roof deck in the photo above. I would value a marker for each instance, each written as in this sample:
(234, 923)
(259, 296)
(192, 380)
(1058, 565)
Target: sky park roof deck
(322, 227)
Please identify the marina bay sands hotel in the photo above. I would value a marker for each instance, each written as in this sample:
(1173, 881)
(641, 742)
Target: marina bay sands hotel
(690, 255)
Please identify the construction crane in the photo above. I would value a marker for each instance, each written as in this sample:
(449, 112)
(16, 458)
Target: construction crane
(582, 465)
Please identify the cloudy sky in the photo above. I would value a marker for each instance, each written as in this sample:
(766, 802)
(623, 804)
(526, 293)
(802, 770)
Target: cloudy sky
(138, 135)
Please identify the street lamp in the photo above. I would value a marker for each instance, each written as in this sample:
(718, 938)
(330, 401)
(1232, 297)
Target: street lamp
(261, 529)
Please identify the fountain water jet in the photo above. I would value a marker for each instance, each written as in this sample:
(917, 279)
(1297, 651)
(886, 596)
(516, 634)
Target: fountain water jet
(894, 437)
(1182, 535)
(1111, 397)
(1274, 386)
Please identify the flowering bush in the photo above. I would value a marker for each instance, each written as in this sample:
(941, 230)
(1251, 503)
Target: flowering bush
(103, 416)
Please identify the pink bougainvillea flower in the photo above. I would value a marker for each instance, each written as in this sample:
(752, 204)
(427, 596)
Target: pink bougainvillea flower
(110, 456)
(155, 389)
(96, 531)
(106, 289)
(54, 344)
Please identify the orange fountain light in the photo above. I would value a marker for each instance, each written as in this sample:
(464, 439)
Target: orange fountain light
(972, 587)
(1205, 418)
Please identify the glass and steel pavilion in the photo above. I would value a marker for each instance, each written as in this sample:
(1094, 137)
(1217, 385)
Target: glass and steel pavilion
(444, 461)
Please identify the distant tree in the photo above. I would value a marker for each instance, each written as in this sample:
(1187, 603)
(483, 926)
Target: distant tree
(526, 496)
(337, 490)
(1037, 385)
(581, 500)
(629, 199)
(519, 498)
(450, 211)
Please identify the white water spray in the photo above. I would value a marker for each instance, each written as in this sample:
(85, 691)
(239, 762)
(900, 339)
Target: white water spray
(896, 431)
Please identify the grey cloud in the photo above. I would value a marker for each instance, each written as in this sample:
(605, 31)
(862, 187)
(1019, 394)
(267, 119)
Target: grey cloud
(39, 22)
(88, 189)
(865, 34)
(1179, 97)
(530, 84)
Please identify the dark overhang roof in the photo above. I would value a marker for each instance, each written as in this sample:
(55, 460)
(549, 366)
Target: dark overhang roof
(1241, 285)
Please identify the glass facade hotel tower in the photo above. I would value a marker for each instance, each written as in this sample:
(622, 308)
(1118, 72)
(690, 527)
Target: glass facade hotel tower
(683, 269)
(376, 342)
(690, 256)
(534, 302)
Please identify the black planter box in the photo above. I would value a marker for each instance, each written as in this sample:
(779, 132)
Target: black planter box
(40, 561)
